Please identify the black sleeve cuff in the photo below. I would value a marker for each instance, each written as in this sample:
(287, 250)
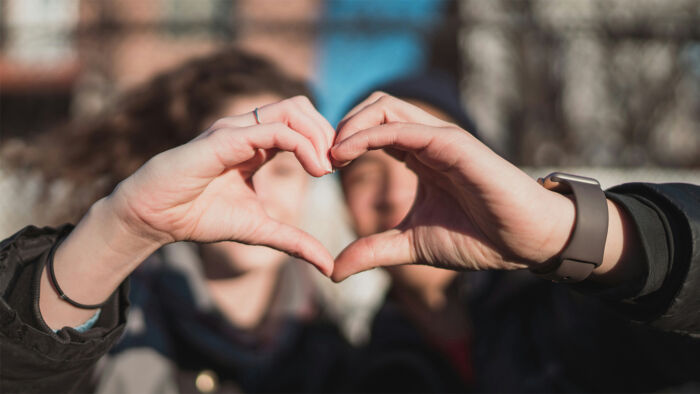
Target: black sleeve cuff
(23, 297)
(664, 216)
(36, 359)
(655, 237)
(653, 232)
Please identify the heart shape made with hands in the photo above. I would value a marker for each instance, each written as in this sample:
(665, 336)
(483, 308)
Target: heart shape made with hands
(461, 218)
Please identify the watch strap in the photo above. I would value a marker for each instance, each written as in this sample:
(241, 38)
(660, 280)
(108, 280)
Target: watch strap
(584, 250)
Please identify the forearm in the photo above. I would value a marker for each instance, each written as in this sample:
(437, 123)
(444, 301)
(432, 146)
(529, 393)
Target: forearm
(90, 264)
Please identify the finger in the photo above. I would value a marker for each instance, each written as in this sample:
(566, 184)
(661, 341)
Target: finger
(262, 156)
(391, 247)
(234, 146)
(321, 121)
(287, 139)
(439, 147)
(385, 109)
(363, 104)
(296, 243)
(297, 113)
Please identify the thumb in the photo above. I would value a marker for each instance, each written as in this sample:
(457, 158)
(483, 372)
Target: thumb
(296, 243)
(391, 247)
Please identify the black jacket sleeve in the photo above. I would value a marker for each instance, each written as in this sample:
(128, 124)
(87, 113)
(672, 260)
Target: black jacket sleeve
(667, 219)
(34, 358)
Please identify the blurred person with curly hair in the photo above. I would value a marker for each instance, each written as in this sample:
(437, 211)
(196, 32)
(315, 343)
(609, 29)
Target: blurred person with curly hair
(216, 315)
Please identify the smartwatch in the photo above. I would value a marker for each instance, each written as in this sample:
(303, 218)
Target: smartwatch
(584, 250)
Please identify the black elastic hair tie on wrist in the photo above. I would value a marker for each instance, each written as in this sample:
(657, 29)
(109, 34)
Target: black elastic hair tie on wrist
(54, 282)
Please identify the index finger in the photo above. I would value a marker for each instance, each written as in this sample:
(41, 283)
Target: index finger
(441, 147)
(381, 108)
(296, 113)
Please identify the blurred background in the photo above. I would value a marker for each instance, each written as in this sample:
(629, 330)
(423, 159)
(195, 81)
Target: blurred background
(550, 83)
(612, 84)
(607, 88)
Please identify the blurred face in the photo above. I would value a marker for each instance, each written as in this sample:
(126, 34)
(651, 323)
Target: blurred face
(379, 191)
(281, 186)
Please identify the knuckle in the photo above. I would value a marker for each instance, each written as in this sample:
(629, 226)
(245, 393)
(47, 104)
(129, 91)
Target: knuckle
(279, 126)
(387, 100)
(452, 136)
(281, 130)
(286, 103)
(456, 131)
(221, 123)
(216, 132)
(301, 99)
(376, 95)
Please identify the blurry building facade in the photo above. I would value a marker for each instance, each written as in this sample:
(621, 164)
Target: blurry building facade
(592, 83)
(72, 58)
(606, 83)
(601, 83)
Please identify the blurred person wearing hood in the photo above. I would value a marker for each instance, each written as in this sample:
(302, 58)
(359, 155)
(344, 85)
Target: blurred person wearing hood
(501, 330)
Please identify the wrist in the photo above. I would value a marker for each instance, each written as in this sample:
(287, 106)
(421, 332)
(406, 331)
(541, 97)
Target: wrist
(120, 238)
(90, 264)
(621, 253)
(584, 248)
(118, 208)
(101, 248)
(561, 211)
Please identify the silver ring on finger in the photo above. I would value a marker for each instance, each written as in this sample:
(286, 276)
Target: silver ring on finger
(256, 113)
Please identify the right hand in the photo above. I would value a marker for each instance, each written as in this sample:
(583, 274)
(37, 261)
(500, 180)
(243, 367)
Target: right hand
(202, 191)
(473, 210)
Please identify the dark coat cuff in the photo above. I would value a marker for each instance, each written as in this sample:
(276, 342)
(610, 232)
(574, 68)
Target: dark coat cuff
(667, 218)
(35, 358)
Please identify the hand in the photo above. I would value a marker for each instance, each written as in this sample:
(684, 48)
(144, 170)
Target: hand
(202, 191)
(473, 209)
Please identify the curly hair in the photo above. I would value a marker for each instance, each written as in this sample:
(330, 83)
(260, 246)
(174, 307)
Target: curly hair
(165, 112)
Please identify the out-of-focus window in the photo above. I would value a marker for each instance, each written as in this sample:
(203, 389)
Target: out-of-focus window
(186, 17)
(39, 31)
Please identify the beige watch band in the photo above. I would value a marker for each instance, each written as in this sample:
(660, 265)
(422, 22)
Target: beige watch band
(584, 250)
